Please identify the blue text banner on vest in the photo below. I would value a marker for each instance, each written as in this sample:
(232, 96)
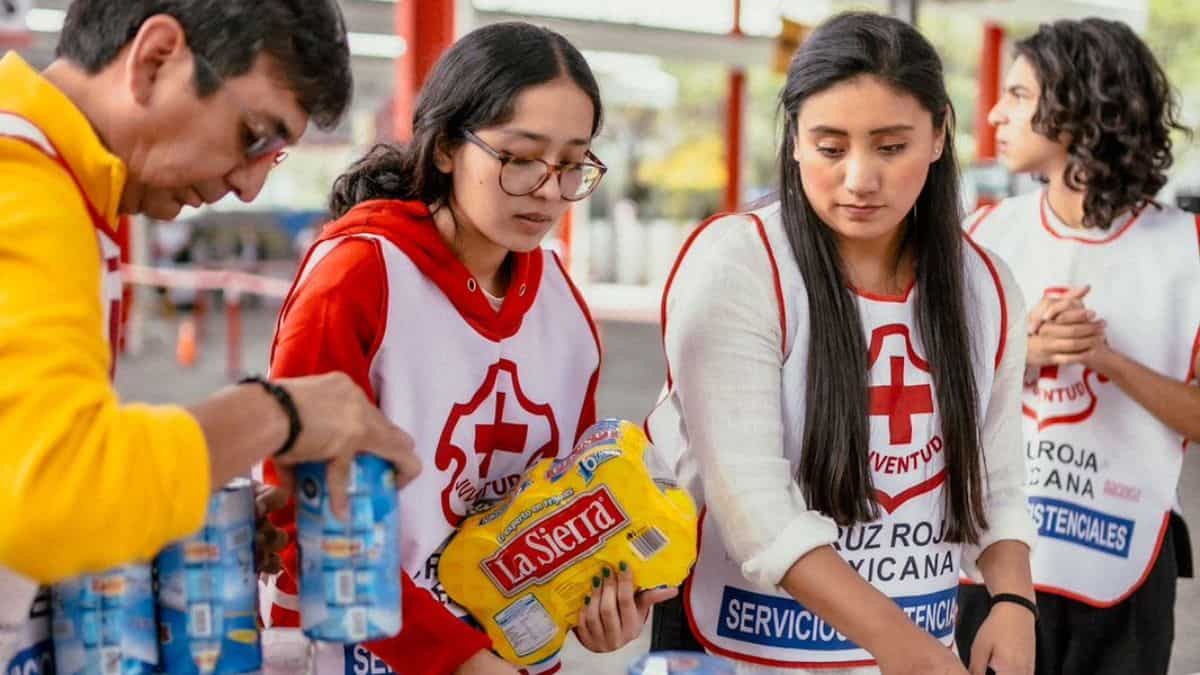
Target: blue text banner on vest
(359, 661)
(773, 621)
(1079, 525)
(36, 660)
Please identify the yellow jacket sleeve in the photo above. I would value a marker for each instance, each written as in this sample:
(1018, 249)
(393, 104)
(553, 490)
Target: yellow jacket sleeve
(85, 482)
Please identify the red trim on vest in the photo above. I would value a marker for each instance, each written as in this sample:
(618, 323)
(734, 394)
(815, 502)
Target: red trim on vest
(1192, 375)
(1162, 531)
(587, 415)
(98, 222)
(881, 297)
(745, 658)
(762, 233)
(381, 330)
(999, 294)
(983, 214)
(409, 226)
(1042, 206)
(1198, 232)
(662, 320)
(687, 245)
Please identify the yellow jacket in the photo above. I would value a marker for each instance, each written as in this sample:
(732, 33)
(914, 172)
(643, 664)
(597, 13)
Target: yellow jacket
(86, 483)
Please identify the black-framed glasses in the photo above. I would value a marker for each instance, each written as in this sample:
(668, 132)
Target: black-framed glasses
(520, 176)
(258, 141)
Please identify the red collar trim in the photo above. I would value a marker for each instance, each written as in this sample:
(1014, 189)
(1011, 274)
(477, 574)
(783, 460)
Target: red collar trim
(409, 226)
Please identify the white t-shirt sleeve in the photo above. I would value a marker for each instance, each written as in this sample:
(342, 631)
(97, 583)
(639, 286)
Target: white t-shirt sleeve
(724, 346)
(1003, 447)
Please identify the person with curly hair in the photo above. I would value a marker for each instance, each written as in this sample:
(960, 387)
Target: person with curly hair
(1110, 401)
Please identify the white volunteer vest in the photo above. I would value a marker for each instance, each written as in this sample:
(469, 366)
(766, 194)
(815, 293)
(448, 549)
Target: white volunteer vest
(25, 647)
(1102, 470)
(903, 553)
(480, 410)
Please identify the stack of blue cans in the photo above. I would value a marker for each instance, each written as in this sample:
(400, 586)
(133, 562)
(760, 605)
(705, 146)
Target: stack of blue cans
(349, 570)
(193, 612)
(207, 595)
(104, 624)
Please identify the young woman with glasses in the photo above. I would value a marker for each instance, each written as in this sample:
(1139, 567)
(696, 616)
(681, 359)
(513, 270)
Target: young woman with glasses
(431, 290)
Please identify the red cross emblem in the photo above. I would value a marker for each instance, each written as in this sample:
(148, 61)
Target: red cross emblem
(899, 402)
(490, 440)
(499, 436)
(899, 475)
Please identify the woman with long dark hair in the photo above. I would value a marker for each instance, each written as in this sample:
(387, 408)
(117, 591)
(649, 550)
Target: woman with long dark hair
(431, 290)
(1110, 400)
(843, 385)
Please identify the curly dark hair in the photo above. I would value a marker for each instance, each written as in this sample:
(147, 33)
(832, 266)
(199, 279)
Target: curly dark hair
(1104, 92)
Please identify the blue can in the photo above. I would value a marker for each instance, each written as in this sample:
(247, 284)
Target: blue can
(208, 592)
(680, 663)
(349, 570)
(103, 624)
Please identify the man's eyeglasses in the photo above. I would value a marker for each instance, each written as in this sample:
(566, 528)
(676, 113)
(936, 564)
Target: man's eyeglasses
(258, 140)
(522, 176)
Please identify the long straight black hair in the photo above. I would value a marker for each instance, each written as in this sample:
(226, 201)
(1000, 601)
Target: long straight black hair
(474, 84)
(834, 472)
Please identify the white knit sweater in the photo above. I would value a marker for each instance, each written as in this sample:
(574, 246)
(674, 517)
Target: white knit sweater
(722, 346)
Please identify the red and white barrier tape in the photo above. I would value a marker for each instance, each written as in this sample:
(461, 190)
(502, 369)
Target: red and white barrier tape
(206, 280)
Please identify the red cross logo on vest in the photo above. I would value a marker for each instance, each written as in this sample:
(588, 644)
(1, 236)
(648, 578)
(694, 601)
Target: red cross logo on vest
(1061, 395)
(901, 400)
(489, 441)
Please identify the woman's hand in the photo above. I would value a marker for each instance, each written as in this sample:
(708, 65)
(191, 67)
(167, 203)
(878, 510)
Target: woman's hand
(1005, 642)
(613, 615)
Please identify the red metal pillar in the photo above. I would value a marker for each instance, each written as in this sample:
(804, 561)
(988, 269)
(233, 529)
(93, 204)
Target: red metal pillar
(427, 28)
(733, 139)
(989, 91)
(734, 129)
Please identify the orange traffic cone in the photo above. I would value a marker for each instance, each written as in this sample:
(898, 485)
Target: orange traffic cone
(185, 346)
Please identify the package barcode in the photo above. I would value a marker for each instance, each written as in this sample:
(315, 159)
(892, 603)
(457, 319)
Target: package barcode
(344, 593)
(357, 617)
(649, 543)
(110, 661)
(200, 621)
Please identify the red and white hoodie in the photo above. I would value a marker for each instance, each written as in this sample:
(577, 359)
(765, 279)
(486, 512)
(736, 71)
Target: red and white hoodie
(484, 392)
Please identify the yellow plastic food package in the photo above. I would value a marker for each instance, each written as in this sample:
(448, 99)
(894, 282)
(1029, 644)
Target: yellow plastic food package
(523, 567)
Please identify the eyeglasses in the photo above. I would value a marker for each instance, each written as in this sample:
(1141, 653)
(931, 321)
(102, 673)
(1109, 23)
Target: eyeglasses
(524, 176)
(258, 142)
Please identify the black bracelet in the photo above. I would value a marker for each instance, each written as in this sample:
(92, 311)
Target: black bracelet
(289, 408)
(1017, 600)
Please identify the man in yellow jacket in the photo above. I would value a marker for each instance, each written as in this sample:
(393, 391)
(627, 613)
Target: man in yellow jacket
(149, 106)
